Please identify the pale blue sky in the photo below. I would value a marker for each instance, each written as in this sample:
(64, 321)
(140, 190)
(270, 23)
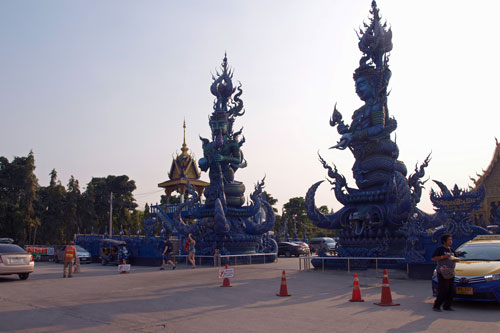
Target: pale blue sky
(102, 87)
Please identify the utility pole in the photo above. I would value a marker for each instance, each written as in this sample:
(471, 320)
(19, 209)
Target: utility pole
(111, 215)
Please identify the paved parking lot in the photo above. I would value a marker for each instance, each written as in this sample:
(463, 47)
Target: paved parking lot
(191, 300)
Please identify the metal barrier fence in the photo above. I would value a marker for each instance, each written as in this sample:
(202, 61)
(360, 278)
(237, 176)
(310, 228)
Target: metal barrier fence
(304, 262)
(217, 259)
(307, 262)
(235, 256)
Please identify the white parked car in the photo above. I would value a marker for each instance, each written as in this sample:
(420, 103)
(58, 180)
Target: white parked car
(15, 260)
(326, 244)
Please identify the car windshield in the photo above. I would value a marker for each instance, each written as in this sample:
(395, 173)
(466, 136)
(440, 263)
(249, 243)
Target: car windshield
(483, 252)
(330, 243)
(80, 249)
(11, 248)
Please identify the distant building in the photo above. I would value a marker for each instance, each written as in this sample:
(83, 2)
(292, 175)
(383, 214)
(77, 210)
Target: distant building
(183, 168)
(490, 179)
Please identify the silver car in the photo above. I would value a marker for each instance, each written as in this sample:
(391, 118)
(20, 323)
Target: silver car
(15, 260)
(84, 255)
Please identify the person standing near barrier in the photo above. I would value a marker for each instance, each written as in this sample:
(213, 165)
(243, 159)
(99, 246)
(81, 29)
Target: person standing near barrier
(192, 250)
(167, 254)
(77, 264)
(445, 257)
(69, 256)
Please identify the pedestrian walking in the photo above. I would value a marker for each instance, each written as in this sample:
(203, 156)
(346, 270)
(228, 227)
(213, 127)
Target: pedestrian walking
(445, 257)
(192, 250)
(69, 256)
(167, 254)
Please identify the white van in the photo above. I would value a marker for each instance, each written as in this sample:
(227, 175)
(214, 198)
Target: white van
(323, 243)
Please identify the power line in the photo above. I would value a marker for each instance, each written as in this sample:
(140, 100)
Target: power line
(147, 193)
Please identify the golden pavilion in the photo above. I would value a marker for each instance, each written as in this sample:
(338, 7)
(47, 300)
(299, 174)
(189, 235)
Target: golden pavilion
(183, 168)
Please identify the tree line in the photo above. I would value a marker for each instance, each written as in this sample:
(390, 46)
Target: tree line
(295, 216)
(34, 214)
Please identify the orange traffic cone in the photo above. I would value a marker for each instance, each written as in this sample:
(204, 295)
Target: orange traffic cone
(386, 298)
(283, 289)
(356, 292)
(226, 282)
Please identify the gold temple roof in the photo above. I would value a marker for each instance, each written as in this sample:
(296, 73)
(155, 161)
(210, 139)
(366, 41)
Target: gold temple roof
(486, 173)
(490, 179)
(183, 167)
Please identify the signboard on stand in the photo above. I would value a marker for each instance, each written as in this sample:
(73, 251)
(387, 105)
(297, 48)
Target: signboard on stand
(226, 273)
(124, 268)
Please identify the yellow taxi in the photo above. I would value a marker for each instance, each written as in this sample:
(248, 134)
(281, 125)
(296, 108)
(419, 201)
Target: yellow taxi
(477, 275)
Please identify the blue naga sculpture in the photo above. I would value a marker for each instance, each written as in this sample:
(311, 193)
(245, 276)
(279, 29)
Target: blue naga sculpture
(223, 222)
(453, 211)
(373, 213)
(456, 205)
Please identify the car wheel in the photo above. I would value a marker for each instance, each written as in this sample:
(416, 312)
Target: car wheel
(288, 254)
(297, 255)
(24, 276)
(104, 262)
(56, 259)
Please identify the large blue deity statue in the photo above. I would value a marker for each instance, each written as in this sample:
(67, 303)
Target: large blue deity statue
(223, 222)
(374, 212)
(223, 156)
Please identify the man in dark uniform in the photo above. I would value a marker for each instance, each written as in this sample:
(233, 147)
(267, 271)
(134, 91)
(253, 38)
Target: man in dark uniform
(167, 254)
(445, 257)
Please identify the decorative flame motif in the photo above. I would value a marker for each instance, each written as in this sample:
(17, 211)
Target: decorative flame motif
(225, 107)
(375, 41)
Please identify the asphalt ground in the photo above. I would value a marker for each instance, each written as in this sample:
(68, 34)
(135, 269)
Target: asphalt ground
(99, 299)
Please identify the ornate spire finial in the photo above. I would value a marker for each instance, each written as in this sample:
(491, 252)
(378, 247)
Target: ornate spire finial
(222, 87)
(226, 106)
(224, 62)
(375, 41)
(375, 11)
(184, 145)
(184, 126)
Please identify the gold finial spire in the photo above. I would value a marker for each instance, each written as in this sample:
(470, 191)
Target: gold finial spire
(184, 146)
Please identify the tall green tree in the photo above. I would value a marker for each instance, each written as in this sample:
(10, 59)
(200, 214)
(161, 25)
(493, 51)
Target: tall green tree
(86, 211)
(123, 201)
(137, 217)
(171, 200)
(270, 200)
(18, 185)
(294, 211)
(52, 206)
(146, 211)
(73, 199)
